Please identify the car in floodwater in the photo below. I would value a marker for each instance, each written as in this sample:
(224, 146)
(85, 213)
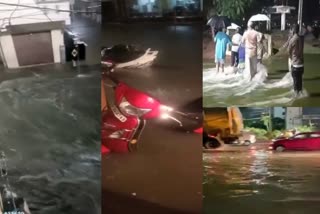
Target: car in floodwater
(307, 141)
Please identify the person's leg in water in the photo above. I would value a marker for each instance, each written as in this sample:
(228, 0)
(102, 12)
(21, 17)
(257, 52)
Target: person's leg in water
(237, 59)
(253, 66)
(222, 65)
(289, 65)
(294, 77)
(297, 74)
(247, 70)
(300, 83)
(233, 59)
(217, 65)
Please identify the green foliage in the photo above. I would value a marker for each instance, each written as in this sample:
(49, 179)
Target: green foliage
(259, 133)
(266, 121)
(263, 134)
(276, 133)
(254, 124)
(263, 123)
(233, 9)
(305, 128)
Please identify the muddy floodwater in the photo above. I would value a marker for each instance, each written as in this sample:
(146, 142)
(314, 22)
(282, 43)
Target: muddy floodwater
(259, 181)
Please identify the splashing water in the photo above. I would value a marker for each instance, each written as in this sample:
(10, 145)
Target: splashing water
(234, 88)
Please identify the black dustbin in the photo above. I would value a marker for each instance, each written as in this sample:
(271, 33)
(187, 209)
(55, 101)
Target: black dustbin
(75, 49)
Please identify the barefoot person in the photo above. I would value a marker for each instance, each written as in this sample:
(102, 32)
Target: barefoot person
(222, 41)
(295, 49)
(236, 41)
(250, 40)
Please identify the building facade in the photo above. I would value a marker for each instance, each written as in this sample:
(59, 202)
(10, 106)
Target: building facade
(298, 116)
(132, 9)
(32, 33)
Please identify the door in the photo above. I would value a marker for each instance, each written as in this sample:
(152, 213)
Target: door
(315, 141)
(33, 48)
(299, 142)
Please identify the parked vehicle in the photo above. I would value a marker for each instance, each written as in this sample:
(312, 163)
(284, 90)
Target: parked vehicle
(127, 111)
(225, 125)
(127, 56)
(298, 142)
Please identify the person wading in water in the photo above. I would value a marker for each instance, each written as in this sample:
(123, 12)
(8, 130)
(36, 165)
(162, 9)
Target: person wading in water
(250, 40)
(295, 49)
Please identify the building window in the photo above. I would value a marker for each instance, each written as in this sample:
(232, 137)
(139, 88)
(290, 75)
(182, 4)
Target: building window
(160, 8)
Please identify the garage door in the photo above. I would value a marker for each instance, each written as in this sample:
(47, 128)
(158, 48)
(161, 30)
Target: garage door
(33, 48)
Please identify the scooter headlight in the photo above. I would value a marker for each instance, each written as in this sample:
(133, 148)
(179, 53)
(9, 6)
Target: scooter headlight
(128, 109)
(165, 110)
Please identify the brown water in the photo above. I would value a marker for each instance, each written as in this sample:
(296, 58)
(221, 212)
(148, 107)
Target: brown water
(259, 181)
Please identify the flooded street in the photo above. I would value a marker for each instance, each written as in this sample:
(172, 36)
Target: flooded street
(259, 181)
(227, 89)
(154, 179)
(50, 135)
(174, 77)
(272, 86)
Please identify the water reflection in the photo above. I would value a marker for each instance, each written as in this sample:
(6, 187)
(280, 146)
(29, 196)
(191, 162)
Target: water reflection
(285, 182)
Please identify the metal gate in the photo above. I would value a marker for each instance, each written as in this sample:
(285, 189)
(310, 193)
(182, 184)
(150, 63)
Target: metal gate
(33, 48)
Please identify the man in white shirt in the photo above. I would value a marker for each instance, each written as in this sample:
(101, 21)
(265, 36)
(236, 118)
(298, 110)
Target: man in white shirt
(250, 39)
(236, 41)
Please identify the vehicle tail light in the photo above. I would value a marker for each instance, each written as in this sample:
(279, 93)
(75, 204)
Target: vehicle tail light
(198, 131)
(128, 109)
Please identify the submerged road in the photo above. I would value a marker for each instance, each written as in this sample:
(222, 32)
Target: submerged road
(258, 181)
(50, 134)
(165, 175)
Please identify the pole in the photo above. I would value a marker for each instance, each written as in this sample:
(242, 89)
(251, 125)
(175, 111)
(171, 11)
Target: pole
(300, 16)
(270, 119)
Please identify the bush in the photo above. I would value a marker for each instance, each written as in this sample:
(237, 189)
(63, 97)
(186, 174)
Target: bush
(260, 133)
(276, 133)
(305, 128)
(263, 134)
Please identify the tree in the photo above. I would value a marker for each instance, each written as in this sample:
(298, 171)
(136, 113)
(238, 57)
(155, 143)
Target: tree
(233, 9)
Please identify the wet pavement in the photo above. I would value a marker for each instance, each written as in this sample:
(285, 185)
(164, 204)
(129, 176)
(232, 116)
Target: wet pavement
(165, 174)
(255, 180)
(175, 77)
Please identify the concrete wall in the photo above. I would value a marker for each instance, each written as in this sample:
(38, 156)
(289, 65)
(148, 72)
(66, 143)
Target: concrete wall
(57, 42)
(293, 117)
(23, 15)
(8, 49)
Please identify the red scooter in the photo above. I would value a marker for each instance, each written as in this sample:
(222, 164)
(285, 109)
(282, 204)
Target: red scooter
(125, 117)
